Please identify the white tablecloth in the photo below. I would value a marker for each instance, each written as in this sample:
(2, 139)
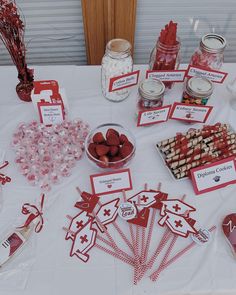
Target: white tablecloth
(204, 270)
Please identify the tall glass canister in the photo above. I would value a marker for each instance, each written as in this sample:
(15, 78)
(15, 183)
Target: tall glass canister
(117, 61)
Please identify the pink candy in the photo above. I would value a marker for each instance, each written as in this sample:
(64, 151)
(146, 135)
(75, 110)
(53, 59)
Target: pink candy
(46, 154)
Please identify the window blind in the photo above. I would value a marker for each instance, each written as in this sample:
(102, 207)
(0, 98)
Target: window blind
(54, 32)
(194, 18)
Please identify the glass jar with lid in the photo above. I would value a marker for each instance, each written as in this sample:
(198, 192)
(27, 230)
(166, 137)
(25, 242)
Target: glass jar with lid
(197, 91)
(165, 58)
(210, 54)
(150, 94)
(117, 61)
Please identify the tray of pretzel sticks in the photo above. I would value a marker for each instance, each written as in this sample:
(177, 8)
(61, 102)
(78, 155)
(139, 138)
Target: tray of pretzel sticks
(197, 147)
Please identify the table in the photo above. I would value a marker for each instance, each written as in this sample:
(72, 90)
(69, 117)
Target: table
(210, 270)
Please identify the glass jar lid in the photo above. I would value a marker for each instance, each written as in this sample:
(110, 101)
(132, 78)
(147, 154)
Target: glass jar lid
(151, 89)
(199, 87)
(213, 43)
(118, 47)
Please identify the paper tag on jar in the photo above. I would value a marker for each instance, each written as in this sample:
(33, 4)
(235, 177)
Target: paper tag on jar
(214, 76)
(190, 112)
(213, 176)
(124, 81)
(167, 76)
(153, 116)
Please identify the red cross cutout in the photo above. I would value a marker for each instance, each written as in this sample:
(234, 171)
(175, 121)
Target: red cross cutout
(83, 239)
(176, 207)
(178, 223)
(107, 212)
(144, 199)
(79, 223)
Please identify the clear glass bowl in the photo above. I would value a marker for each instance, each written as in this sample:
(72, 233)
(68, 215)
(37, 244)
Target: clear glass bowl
(110, 165)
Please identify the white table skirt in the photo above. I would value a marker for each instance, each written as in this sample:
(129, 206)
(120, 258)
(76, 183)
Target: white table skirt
(204, 270)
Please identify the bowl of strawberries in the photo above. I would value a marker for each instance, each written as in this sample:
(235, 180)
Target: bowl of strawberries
(110, 146)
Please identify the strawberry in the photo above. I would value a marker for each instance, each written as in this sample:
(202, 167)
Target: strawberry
(113, 139)
(126, 149)
(105, 161)
(98, 138)
(113, 150)
(111, 131)
(102, 149)
(123, 138)
(92, 150)
(115, 159)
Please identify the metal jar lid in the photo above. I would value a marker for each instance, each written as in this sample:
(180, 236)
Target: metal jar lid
(213, 43)
(151, 89)
(118, 47)
(199, 87)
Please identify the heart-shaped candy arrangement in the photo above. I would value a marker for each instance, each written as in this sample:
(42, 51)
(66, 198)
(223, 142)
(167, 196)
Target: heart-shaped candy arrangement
(45, 154)
(229, 229)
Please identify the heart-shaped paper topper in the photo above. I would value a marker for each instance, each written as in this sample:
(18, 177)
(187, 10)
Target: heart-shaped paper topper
(229, 229)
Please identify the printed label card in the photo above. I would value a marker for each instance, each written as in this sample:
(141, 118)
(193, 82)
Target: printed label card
(153, 116)
(167, 76)
(190, 112)
(214, 76)
(213, 176)
(113, 182)
(124, 81)
(51, 113)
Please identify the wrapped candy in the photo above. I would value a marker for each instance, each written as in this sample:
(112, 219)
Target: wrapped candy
(46, 154)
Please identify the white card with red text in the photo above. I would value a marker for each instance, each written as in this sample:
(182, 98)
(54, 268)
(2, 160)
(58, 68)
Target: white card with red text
(167, 76)
(51, 113)
(153, 116)
(111, 182)
(213, 176)
(190, 112)
(124, 81)
(214, 76)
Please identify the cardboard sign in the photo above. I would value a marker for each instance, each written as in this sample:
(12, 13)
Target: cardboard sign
(107, 183)
(214, 76)
(124, 81)
(190, 112)
(167, 76)
(51, 113)
(153, 116)
(213, 176)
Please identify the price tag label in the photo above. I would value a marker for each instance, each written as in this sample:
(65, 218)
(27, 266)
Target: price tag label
(167, 76)
(124, 81)
(214, 76)
(111, 182)
(51, 113)
(213, 176)
(190, 113)
(153, 116)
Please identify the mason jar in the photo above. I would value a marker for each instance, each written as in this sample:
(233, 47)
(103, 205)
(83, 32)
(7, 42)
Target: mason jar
(165, 58)
(150, 94)
(117, 61)
(210, 53)
(197, 91)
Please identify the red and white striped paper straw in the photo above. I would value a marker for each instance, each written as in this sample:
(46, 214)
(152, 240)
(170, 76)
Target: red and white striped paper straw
(114, 254)
(178, 255)
(154, 276)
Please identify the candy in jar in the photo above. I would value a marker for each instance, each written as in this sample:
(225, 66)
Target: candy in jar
(197, 91)
(165, 55)
(210, 54)
(117, 61)
(150, 94)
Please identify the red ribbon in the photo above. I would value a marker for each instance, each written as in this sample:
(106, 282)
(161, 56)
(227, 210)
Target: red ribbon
(33, 212)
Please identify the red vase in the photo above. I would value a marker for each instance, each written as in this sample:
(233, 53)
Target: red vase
(23, 89)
